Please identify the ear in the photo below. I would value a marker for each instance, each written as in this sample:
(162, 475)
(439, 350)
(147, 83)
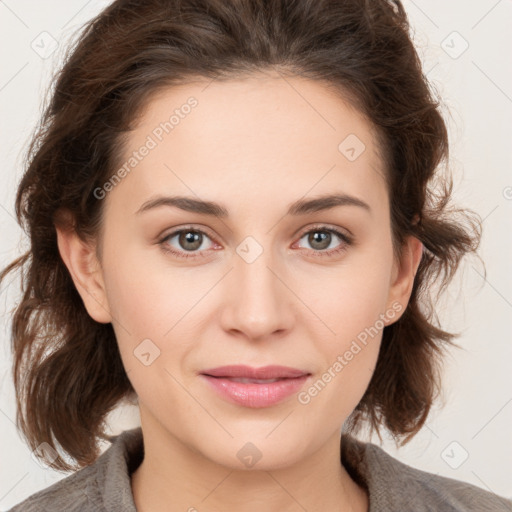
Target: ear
(404, 272)
(85, 269)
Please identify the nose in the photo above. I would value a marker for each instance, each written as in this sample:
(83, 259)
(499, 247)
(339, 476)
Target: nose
(258, 303)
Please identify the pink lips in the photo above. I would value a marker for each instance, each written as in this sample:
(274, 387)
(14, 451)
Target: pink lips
(243, 385)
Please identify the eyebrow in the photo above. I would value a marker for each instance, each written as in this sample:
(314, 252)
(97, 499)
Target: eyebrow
(300, 207)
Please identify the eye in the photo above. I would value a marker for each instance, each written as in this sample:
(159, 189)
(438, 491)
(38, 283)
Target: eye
(192, 242)
(188, 240)
(321, 238)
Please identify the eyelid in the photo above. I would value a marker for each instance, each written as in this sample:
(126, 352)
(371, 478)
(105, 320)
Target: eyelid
(190, 227)
(326, 227)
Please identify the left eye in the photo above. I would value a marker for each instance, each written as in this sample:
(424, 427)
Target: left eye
(320, 239)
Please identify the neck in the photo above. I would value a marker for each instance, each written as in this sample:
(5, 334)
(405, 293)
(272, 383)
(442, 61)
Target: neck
(173, 475)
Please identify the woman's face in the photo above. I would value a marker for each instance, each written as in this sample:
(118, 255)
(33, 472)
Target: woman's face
(265, 283)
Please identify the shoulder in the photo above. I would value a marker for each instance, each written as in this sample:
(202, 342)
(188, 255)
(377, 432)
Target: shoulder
(394, 485)
(104, 485)
(73, 493)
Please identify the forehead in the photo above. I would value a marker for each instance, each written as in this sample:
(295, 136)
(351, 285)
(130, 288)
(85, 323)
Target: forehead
(250, 139)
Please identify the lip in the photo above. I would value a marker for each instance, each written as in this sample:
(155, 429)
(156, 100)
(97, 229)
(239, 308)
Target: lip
(255, 395)
(248, 372)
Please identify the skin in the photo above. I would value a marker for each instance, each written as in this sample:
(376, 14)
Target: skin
(255, 145)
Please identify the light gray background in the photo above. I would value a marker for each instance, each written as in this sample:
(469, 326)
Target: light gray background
(476, 87)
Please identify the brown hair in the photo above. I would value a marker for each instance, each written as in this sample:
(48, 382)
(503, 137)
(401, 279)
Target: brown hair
(67, 369)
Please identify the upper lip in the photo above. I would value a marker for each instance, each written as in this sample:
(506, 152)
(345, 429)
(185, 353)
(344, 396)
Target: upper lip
(248, 372)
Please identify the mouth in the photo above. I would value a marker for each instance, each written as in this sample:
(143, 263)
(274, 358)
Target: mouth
(248, 381)
(255, 387)
(249, 372)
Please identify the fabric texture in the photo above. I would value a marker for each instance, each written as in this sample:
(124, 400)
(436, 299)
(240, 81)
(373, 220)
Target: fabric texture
(393, 486)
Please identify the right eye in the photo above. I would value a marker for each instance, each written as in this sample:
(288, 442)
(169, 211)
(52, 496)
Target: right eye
(187, 241)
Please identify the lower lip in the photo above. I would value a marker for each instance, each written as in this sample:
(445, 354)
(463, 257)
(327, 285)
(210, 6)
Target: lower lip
(256, 395)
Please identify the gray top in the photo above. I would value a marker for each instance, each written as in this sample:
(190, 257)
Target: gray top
(392, 485)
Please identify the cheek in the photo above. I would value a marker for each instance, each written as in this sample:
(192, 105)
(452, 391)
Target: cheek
(353, 303)
(148, 299)
(349, 357)
(349, 298)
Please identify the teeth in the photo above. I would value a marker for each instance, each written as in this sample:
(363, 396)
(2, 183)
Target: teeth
(252, 381)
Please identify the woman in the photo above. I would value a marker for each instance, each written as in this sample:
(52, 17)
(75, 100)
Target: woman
(232, 223)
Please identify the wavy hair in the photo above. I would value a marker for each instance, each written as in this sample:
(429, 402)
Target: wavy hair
(67, 369)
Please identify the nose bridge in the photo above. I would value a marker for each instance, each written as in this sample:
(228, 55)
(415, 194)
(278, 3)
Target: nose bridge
(258, 303)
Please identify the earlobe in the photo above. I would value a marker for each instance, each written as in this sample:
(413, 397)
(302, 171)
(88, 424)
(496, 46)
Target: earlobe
(83, 266)
(405, 273)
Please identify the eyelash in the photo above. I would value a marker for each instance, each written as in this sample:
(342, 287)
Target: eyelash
(347, 241)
